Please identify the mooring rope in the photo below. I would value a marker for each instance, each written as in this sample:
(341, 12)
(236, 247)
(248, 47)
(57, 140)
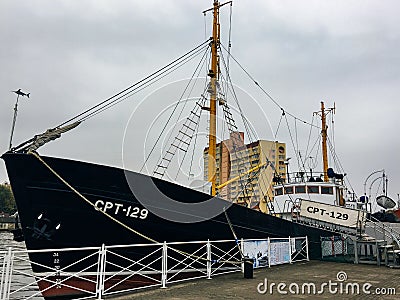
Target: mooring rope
(234, 234)
(35, 154)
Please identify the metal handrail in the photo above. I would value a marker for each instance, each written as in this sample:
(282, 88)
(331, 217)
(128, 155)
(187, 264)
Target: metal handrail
(216, 260)
(394, 234)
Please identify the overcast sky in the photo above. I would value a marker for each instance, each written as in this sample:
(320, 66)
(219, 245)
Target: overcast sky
(72, 54)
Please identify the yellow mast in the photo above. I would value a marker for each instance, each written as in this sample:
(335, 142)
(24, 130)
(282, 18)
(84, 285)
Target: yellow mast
(324, 134)
(324, 137)
(212, 139)
(214, 76)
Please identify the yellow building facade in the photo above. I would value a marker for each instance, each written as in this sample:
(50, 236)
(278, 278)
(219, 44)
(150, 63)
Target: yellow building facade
(234, 159)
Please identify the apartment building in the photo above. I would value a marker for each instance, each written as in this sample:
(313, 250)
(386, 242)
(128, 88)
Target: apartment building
(250, 185)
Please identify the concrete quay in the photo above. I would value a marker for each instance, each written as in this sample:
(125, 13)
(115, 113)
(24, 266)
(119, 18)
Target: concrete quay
(311, 280)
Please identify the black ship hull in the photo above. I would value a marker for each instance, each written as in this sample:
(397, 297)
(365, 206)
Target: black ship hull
(53, 216)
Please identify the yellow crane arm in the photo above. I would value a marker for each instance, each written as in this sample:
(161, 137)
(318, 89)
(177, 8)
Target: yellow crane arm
(240, 176)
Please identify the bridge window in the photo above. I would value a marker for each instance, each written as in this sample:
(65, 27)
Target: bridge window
(327, 190)
(300, 189)
(313, 189)
(278, 191)
(289, 190)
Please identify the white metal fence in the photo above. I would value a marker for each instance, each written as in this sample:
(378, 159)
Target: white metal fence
(98, 272)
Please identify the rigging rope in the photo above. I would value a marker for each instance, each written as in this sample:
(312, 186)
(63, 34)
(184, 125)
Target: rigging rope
(263, 90)
(299, 158)
(251, 134)
(194, 148)
(233, 232)
(169, 119)
(300, 162)
(309, 135)
(110, 99)
(229, 47)
(279, 124)
(185, 153)
(338, 163)
(296, 135)
(143, 85)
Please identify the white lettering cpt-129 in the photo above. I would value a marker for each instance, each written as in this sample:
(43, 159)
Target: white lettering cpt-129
(120, 209)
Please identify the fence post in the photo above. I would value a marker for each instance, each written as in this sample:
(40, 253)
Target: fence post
(290, 250)
(164, 259)
(6, 275)
(208, 259)
(9, 271)
(269, 252)
(101, 273)
(308, 257)
(242, 250)
(343, 247)
(3, 273)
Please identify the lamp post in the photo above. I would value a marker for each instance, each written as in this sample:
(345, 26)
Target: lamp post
(370, 188)
(365, 185)
(372, 183)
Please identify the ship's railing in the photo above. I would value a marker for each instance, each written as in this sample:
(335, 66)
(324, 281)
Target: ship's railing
(301, 177)
(97, 272)
(384, 231)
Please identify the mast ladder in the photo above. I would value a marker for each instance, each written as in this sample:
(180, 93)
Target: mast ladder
(182, 139)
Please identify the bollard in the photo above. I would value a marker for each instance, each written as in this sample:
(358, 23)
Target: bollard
(248, 268)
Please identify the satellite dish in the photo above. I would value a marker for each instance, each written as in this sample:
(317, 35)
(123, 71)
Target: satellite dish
(385, 202)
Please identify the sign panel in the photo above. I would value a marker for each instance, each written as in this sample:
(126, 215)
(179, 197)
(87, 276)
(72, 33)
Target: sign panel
(332, 214)
(280, 253)
(258, 251)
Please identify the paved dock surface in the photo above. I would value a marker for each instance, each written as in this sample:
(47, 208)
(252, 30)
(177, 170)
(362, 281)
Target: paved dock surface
(371, 280)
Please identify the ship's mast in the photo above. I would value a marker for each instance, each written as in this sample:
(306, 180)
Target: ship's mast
(214, 76)
(324, 138)
(212, 139)
(324, 134)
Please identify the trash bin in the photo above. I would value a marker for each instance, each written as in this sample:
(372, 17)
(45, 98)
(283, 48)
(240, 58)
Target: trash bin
(248, 268)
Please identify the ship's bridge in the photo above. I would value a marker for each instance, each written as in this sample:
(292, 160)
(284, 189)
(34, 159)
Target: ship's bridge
(312, 188)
